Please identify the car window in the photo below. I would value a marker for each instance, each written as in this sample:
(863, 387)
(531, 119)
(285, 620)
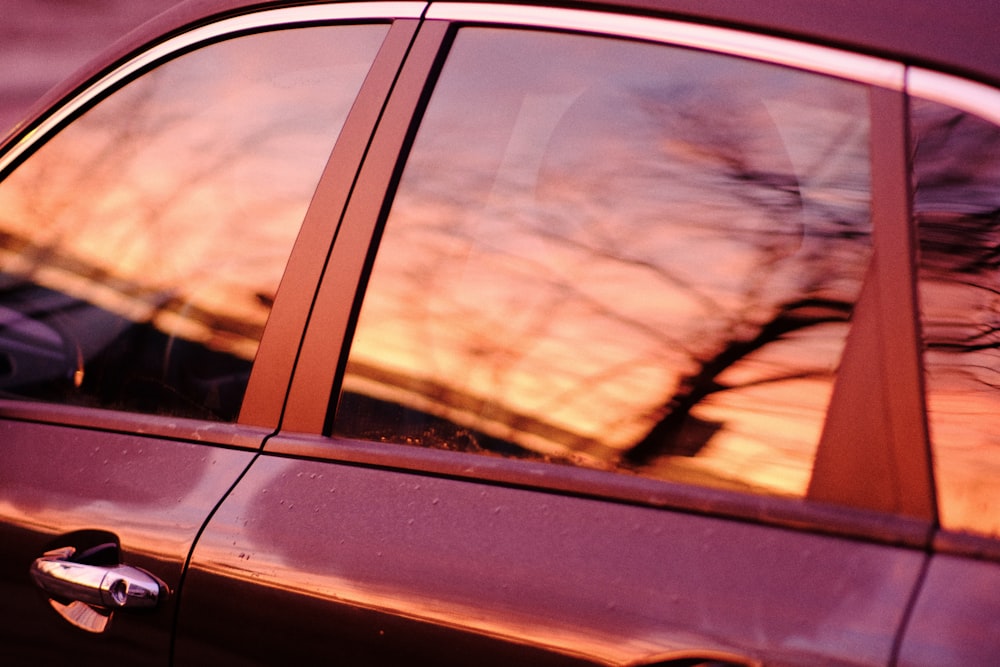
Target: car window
(141, 247)
(620, 255)
(957, 211)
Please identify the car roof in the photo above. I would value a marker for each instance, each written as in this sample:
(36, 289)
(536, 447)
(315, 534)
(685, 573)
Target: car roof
(953, 36)
(956, 36)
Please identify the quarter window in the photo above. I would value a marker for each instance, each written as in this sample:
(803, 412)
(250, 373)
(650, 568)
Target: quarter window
(957, 210)
(621, 255)
(141, 247)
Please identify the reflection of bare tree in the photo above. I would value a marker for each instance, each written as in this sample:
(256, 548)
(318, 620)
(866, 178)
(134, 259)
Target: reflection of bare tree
(957, 204)
(611, 260)
(666, 434)
(739, 156)
(957, 207)
(963, 250)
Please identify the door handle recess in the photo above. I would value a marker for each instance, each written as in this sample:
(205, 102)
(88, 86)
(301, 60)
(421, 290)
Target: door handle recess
(110, 587)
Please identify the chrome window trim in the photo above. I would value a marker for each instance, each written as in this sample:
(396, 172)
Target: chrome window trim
(230, 26)
(975, 98)
(820, 59)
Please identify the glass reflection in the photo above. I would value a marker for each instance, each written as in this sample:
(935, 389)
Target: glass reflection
(620, 255)
(142, 246)
(957, 208)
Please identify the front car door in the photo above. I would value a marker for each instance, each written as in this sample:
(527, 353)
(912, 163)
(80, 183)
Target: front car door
(145, 226)
(595, 373)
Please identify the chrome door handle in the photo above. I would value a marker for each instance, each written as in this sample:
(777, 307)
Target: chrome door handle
(110, 587)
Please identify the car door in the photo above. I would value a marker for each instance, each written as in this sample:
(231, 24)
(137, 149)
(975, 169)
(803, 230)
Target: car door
(595, 372)
(146, 348)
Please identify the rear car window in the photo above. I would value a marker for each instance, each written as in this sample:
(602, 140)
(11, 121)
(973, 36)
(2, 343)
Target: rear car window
(620, 255)
(141, 247)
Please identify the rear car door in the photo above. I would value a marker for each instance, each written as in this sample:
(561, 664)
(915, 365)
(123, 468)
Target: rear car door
(595, 373)
(146, 348)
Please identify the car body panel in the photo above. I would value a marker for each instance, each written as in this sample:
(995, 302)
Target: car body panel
(149, 492)
(962, 44)
(605, 583)
(954, 619)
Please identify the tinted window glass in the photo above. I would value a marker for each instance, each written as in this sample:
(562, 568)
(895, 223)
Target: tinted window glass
(620, 255)
(957, 208)
(141, 247)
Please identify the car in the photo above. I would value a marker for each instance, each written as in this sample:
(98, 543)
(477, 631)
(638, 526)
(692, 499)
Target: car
(633, 332)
